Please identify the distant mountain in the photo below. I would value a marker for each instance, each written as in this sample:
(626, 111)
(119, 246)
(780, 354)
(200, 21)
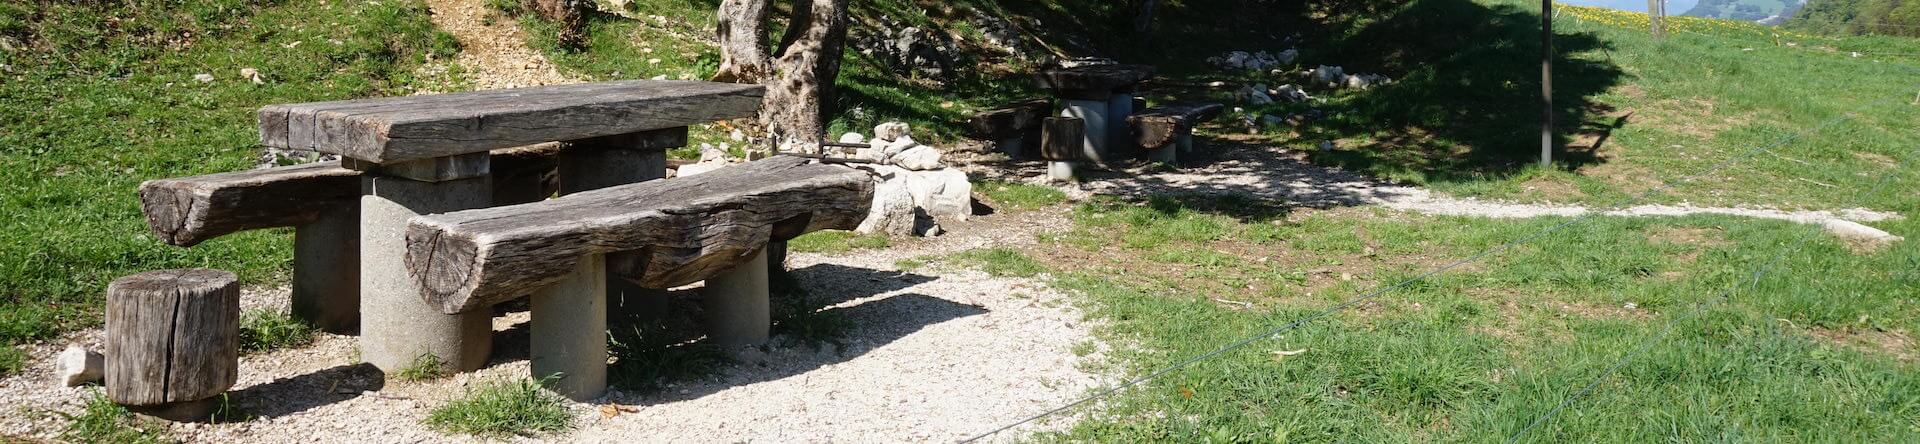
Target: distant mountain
(1771, 12)
(1859, 17)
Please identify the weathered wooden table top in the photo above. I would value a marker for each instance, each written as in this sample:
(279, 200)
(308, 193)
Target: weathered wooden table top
(393, 129)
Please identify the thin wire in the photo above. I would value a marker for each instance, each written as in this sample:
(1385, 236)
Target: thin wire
(1697, 309)
(1382, 290)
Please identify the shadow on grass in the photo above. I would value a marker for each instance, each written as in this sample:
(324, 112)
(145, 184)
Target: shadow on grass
(1466, 102)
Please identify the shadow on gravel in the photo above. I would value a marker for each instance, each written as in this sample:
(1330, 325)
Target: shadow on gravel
(822, 315)
(286, 396)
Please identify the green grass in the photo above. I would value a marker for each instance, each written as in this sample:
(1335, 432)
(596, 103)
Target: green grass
(102, 421)
(93, 110)
(1009, 196)
(263, 330)
(836, 242)
(426, 367)
(1475, 353)
(12, 360)
(502, 410)
(647, 356)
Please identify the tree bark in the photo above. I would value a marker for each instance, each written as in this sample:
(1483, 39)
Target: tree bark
(569, 15)
(743, 41)
(807, 64)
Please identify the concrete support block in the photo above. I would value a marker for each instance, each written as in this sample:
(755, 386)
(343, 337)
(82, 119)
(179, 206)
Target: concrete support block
(1094, 114)
(1060, 170)
(1119, 133)
(737, 304)
(601, 162)
(1165, 154)
(326, 272)
(1012, 146)
(397, 326)
(1184, 142)
(569, 332)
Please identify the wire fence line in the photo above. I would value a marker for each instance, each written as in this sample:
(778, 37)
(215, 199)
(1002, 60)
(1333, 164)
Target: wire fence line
(1753, 282)
(1379, 290)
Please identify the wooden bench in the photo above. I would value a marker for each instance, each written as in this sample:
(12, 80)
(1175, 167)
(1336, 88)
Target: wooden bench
(429, 154)
(1165, 131)
(321, 200)
(713, 227)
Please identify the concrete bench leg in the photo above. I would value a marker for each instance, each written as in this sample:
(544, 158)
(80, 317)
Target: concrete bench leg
(737, 304)
(1060, 170)
(1165, 154)
(1094, 114)
(397, 326)
(591, 164)
(1119, 133)
(1185, 142)
(569, 332)
(326, 272)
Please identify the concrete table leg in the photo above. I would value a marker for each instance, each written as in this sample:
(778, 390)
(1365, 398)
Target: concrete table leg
(1094, 114)
(1185, 142)
(591, 164)
(326, 272)
(1119, 134)
(569, 332)
(1165, 154)
(1012, 146)
(397, 326)
(1060, 170)
(737, 304)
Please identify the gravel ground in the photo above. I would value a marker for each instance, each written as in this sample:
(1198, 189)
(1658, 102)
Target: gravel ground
(935, 354)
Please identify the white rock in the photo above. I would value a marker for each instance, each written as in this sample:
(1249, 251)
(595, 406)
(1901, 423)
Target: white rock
(852, 137)
(1870, 237)
(1328, 75)
(710, 153)
(1253, 95)
(893, 212)
(77, 366)
(737, 135)
(697, 168)
(944, 194)
(1287, 57)
(919, 158)
(1326, 145)
(203, 77)
(658, 77)
(1291, 93)
(896, 147)
(890, 131)
(253, 75)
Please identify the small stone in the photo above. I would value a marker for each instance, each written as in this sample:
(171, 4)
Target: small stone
(1326, 145)
(203, 77)
(890, 131)
(898, 146)
(659, 77)
(653, 61)
(698, 168)
(852, 137)
(919, 158)
(253, 75)
(77, 366)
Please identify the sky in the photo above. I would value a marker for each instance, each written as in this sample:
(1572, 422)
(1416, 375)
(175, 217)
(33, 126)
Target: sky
(1674, 7)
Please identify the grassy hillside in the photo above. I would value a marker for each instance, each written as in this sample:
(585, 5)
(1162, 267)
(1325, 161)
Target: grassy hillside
(1859, 17)
(99, 96)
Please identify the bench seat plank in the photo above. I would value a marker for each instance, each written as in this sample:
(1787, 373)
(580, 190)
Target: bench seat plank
(185, 211)
(677, 231)
(392, 129)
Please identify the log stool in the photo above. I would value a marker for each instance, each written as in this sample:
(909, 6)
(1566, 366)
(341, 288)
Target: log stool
(172, 341)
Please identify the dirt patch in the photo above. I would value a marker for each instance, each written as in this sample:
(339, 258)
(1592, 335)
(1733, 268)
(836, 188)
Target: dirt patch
(1884, 161)
(1892, 344)
(493, 48)
(1631, 179)
(1545, 188)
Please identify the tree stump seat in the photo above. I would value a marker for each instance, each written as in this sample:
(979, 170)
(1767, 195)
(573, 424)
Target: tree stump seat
(1012, 127)
(714, 227)
(1167, 130)
(173, 341)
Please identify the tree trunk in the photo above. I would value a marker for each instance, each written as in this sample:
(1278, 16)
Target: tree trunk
(808, 62)
(569, 15)
(743, 41)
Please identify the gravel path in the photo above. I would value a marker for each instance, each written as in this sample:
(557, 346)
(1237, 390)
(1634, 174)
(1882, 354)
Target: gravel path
(935, 354)
(494, 55)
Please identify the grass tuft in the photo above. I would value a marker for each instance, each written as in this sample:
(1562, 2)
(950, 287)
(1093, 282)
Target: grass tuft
(836, 242)
(425, 367)
(12, 360)
(502, 410)
(1011, 196)
(263, 330)
(1001, 262)
(649, 355)
(102, 421)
